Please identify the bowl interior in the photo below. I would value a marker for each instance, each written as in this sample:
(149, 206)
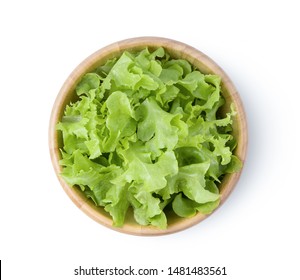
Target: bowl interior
(177, 50)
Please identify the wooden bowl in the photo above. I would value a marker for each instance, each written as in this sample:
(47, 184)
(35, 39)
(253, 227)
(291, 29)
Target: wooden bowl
(177, 50)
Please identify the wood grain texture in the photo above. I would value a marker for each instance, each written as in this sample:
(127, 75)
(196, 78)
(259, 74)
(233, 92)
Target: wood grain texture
(176, 50)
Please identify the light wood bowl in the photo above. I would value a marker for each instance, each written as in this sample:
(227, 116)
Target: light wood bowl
(177, 50)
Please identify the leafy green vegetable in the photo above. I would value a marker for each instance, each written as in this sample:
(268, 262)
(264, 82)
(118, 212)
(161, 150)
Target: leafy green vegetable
(145, 133)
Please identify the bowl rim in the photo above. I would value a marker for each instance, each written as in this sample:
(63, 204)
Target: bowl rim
(176, 49)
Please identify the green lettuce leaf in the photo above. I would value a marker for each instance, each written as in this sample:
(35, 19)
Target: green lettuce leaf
(139, 167)
(120, 120)
(155, 128)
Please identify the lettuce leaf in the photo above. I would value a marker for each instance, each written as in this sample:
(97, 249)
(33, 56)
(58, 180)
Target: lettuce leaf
(146, 133)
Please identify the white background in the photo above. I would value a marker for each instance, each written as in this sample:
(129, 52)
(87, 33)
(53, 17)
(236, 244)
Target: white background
(255, 234)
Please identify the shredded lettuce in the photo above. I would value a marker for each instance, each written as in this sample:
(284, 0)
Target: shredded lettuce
(146, 133)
